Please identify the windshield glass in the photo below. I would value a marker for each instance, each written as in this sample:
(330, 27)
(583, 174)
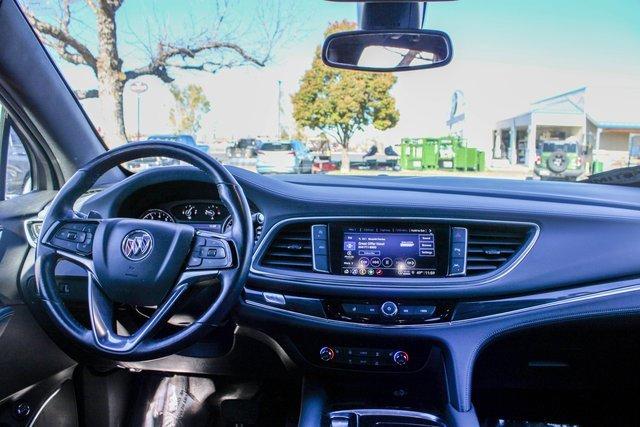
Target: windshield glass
(527, 79)
(553, 146)
(275, 146)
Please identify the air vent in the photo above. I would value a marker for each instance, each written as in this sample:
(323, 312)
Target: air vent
(291, 249)
(491, 247)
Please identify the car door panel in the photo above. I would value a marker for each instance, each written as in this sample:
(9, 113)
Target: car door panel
(27, 356)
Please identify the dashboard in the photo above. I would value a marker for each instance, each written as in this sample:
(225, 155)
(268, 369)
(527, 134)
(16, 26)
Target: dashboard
(388, 268)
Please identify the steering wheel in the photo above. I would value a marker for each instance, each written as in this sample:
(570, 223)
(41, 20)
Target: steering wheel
(142, 262)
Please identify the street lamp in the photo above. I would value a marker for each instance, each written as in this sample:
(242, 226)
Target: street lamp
(139, 88)
(279, 110)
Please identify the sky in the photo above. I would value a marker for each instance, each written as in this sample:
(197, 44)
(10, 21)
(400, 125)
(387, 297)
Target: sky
(507, 54)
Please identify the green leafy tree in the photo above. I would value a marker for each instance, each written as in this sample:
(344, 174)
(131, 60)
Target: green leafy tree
(191, 105)
(341, 102)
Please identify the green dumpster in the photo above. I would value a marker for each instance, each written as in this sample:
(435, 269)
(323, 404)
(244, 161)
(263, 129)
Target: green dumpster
(410, 154)
(481, 162)
(597, 167)
(466, 159)
(429, 153)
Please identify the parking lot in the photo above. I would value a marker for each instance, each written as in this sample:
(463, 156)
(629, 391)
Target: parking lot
(519, 173)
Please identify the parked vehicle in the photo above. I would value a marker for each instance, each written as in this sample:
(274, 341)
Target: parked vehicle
(244, 148)
(323, 164)
(151, 162)
(184, 139)
(387, 160)
(283, 157)
(560, 160)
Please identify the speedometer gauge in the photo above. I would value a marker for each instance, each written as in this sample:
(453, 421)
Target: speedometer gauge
(157, 215)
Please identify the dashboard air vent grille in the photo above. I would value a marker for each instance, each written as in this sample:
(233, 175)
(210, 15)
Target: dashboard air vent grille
(491, 247)
(290, 249)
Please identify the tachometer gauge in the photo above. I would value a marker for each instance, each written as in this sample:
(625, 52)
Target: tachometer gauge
(157, 215)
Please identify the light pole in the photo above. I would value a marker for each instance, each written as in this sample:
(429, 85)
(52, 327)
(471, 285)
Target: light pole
(279, 109)
(139, 88)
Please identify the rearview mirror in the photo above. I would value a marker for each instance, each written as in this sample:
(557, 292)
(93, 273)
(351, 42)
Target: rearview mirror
(388, 50)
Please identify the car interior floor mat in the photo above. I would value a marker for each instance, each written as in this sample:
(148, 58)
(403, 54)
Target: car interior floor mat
(172, 401)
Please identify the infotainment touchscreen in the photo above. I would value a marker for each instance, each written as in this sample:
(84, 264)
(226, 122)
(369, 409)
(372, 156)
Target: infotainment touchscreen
(389, 251)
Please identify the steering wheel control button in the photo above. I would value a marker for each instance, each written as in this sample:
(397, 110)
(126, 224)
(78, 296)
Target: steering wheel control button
(320, 247)
(276, 299)
(389, 309)
(209, 252)
(71, 235)
(400, 358)
(327, 354)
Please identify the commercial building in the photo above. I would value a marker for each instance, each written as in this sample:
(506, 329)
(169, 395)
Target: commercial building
(605, 121)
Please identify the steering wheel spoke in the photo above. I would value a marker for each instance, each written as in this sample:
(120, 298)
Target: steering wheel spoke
(102, 318)
(83, 261)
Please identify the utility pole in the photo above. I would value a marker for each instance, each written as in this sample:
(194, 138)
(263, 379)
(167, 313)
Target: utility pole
(279, 109)
(139, 88)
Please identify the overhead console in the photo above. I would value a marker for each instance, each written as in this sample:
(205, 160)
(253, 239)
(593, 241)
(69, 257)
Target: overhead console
(393, 250)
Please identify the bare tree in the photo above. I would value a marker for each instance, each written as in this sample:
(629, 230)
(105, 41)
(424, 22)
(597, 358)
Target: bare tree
(208, 48)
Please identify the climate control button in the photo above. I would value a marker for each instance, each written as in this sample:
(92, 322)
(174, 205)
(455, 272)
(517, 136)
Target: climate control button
(400, 358)
(389, 309)
(327, 354)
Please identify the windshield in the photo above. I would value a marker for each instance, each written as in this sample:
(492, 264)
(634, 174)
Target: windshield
(527, 79)
(556, 146)
(274, 146)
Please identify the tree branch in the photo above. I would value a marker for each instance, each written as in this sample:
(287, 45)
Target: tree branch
(166, 52)
(86, 94)
(61, 40)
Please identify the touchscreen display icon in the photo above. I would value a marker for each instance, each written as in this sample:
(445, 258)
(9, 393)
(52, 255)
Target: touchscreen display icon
(389, 252)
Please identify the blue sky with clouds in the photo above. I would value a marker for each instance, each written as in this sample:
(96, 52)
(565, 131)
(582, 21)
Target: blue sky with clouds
(508, 53)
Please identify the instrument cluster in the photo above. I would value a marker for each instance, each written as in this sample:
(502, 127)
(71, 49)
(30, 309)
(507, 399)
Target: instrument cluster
(212, 215)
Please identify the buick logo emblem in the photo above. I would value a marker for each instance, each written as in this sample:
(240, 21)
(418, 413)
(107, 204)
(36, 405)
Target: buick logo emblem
(137, 245)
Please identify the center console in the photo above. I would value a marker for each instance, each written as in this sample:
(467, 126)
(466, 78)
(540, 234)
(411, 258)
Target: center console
(368, 291)
(371, 272)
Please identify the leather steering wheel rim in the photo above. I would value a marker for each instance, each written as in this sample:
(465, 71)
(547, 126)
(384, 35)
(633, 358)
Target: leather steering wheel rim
(101, 340)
